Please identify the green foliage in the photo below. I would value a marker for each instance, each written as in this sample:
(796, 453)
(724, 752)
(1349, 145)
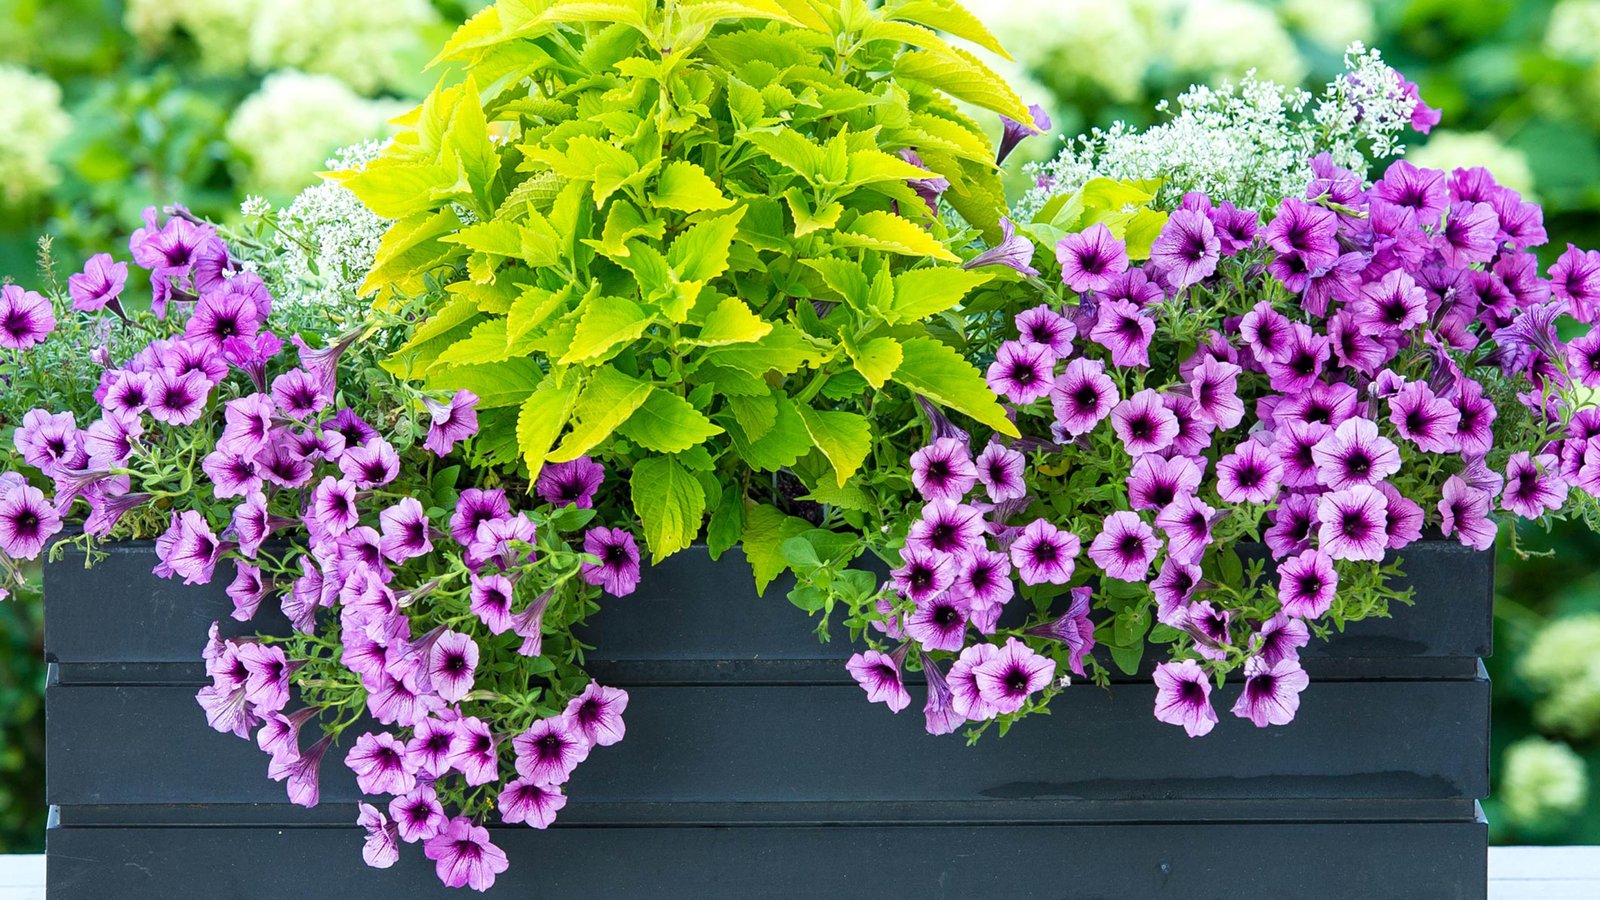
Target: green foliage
(682, 237)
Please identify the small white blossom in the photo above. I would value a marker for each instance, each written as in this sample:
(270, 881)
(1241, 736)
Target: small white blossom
(1250, 143)
(255, 206)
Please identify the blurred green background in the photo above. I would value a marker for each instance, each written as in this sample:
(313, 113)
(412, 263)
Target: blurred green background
(113, 105)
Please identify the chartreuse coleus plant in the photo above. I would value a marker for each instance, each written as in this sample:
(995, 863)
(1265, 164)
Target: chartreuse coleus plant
(690, 239)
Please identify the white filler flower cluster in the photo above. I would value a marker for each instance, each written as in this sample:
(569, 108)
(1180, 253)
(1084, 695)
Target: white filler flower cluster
(32, 123)
(326, 241)
(1250, 142)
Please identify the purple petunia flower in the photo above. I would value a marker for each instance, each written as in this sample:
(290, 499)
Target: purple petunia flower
(947, 527)
(463, 855)
(928, 189)
(1214, 384)
(1354, 523)
(370, 465)
(1323, 403)
(1014, 132)
(1266, 332)
(618, 568)
(924, 574)
(381, 849)
(879, 675)
(433, 743)
(407, 533)
(1072, 628)
(1250, 474)
(1135, 287)
(571, 483)
(1126, 331)
(1468, 235)
(451, 662)
(1575, 278)
(1022, 373)
(597, 714)
(381, 764)
(249, 425)
(529, 624)
(26, 318)
(943, 470)
(247, 590)
(99, 284)
(1279, 638)
(1271, 694)
(1423, 191)
(1144, 424)
(333, 507)
(1293, 444)
(1044, 554)
(417, 813)
(127, 392)
(1187, 249)
(1464, 511)
(299, 394)
(1424, 419)
(1044, 326)
(966, 699)
(1236, 228)
(1405, 518)
(1007, 679)
(231, 475)
(50, 442)
(27, 522)
(491, 602)
(522, 801)
(1183, 697)
(178, 399)
(473, 508)
(1301, 365)
(1304, 231)
(1355, 454)
(1307, 584)
(301, 771)
(1014, 251)
(1174, 588)
(1187, 524)
(549, 750)
(452, 422)
(1392, 305)
(938, 713)
(1091, 259)
(939, 622)
(1156, 481)
(188, 549)
(267, 681)
(1000, 470)
(1082, 396)
(1125, 546)
(221, 315)
(1533, 485)
(983, 583)
(477, 755)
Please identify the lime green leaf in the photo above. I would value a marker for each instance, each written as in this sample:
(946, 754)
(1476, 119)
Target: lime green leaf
(939, 373)
(396, 190)
(667, 423)
(788, 148)
(871, 166)
(755, 414)
(670, 504)
(633, 13)
(487, 344)
(607, 322)
(541, 419)
(964, 77)
(951, 18)
(844, 437)
(701, 253)
(726, 524)
(607, 401)
(807, 220)
(876, 360)
(532, 308)
(623, 223)
(500, 238)
(1142, 231)
(765, 530)
(879, 230)
(845, 278)
(785, 349)
(922, 293)
(686, 187)
(732, 322)
(496, 384)
(785, 443)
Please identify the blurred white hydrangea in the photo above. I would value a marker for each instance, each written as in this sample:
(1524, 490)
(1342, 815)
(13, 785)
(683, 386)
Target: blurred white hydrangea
(288, 127)
(1573, 33)
(219, 28)
(1250, 143)
(1330, 24)
(1219, 39)
(32, 124)
(369, 46)
(324, 245)
(1070, 42)
(1564, 667)
(1540, 780)
(1449, 150)
(366, 45)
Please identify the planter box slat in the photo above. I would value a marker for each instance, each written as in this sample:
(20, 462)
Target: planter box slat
(1415, 740)
(1417, 861)
(120, 612)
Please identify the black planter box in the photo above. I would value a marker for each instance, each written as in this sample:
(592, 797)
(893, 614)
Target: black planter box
(754, 767)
